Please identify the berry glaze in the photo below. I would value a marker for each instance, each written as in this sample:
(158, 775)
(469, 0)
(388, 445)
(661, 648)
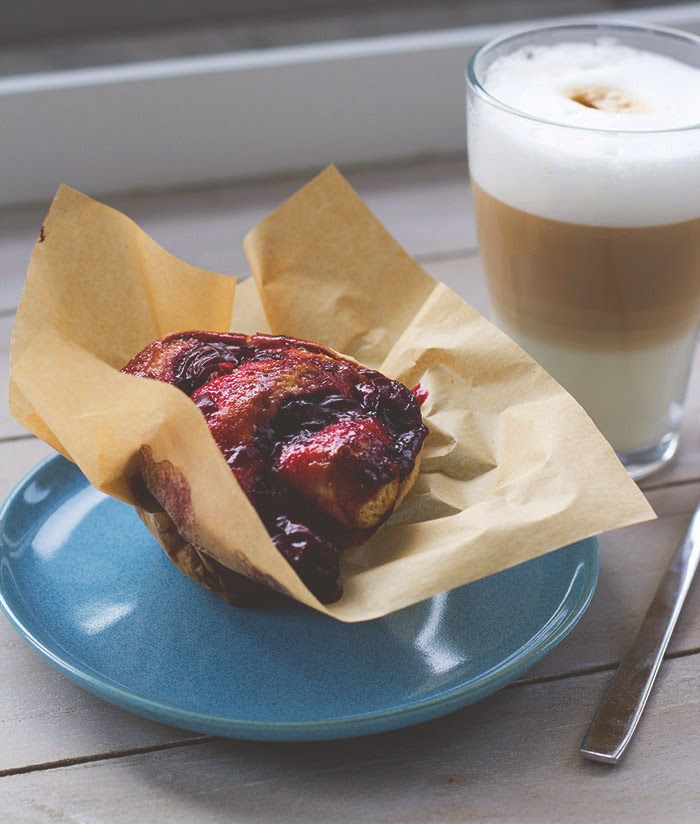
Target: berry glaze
(319, 443)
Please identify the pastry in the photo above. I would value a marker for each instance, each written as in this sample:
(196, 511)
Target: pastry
(324, 448)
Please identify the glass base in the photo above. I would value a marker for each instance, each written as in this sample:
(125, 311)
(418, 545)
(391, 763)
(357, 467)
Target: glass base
(641, 463)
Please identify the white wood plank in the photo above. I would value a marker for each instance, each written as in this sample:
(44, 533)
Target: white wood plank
(463, 274)
(512, 757)
(17, 458)
(632, 562)
(426, 206)
(8, 427)
(18, 231)
(686, 464)
(37, 705)
(44, 716)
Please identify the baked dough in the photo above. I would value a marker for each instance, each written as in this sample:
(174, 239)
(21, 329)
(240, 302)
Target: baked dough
(324, 448)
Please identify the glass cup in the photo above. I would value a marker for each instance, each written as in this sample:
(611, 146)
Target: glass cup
(589, 229)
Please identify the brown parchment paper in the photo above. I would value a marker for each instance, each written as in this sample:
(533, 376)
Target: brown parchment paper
(513, 467)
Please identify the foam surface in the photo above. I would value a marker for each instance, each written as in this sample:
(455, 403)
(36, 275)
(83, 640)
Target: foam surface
(536, 80)
(621, 174)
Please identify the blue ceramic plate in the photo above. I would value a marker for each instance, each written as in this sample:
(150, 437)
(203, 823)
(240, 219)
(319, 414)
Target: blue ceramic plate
(88, 587)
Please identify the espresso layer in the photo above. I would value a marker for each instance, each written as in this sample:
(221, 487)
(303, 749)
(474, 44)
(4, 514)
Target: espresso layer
(589, 286)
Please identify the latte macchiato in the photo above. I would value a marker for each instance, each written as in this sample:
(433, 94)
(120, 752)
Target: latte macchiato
(585, 168)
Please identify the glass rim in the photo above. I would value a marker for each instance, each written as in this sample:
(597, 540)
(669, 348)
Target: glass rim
(475, 85)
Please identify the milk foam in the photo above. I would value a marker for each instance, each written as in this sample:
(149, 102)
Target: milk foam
(535, 80)
(591, 173)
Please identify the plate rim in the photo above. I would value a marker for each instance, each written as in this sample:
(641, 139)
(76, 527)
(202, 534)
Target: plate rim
(342, 726)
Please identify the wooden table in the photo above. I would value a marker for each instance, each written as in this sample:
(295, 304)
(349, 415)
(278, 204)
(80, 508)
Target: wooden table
(66, 756)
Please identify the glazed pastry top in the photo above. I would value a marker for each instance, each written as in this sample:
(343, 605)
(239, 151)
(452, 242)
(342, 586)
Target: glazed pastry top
(321, 445)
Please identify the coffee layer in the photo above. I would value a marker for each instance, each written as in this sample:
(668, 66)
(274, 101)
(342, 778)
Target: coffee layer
(589, 286)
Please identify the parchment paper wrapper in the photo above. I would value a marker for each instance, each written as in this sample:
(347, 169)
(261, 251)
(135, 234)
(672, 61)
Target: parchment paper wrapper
(513, 468)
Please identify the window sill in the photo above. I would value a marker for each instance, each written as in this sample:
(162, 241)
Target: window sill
(234, 116)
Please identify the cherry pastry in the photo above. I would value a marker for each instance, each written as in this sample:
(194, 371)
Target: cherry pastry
(324, 448)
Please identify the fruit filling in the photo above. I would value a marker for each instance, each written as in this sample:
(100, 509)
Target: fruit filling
(318, 443)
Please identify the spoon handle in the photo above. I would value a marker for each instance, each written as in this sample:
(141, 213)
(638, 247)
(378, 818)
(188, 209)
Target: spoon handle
(620, 710)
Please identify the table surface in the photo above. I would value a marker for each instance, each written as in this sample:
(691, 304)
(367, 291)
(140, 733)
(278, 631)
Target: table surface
(68, 756)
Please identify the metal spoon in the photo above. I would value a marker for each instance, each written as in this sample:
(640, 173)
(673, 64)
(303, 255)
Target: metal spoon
(620, 710)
